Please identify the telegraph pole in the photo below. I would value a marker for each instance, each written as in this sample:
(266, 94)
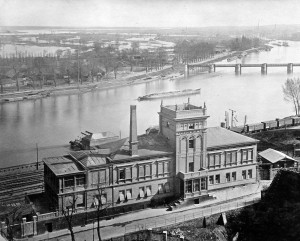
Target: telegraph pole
(37, 156)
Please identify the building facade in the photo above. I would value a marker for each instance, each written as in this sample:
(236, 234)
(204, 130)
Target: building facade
(185, 159)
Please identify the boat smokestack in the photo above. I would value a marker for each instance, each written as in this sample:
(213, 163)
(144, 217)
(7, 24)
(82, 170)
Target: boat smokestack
(133, 142)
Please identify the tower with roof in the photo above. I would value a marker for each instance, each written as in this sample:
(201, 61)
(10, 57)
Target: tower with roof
(185, 126)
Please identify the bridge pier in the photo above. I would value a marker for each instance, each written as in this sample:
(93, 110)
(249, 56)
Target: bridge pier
(238, 69)
(290, 68)
(211, 68)
(264, 68)
(186, 70)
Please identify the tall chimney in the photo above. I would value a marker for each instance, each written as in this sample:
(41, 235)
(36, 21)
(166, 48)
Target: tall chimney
(133, 142)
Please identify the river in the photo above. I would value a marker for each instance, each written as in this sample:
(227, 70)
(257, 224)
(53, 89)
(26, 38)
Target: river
(53, 122)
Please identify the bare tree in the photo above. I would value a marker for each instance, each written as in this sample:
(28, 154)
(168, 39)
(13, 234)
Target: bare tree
(291, 92)
(68, 214)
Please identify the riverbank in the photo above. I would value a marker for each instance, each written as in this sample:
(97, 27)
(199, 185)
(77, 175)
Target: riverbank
(167, 72)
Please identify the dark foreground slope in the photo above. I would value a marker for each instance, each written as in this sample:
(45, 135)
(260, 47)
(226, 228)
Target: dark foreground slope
(277, 217)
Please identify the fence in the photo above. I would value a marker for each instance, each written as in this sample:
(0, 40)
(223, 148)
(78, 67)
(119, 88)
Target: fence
(176, 218)
(22, 168)
(139, 225)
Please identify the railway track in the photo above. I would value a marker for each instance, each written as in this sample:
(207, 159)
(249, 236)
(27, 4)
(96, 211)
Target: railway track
(14, 187)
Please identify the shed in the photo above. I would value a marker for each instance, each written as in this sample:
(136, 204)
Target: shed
(272, 161)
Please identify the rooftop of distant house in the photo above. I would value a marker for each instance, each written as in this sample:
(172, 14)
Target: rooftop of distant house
(274, 156)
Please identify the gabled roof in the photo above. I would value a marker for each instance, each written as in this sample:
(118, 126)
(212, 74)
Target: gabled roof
(218, 136)
(274, 156)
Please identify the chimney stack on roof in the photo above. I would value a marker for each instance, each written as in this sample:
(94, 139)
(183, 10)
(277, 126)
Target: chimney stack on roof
(133, 142)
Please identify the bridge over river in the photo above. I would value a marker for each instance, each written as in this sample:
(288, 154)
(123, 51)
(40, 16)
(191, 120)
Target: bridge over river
(238, 67)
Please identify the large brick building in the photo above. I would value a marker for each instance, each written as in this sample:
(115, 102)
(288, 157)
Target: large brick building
(185, 159)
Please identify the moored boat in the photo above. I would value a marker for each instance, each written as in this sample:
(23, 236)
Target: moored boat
(285, 44)
(169, 94)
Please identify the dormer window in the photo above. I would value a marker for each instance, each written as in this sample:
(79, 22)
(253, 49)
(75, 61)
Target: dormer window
(168, 124)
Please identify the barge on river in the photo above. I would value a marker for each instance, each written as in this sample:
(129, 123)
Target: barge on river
(169, 94)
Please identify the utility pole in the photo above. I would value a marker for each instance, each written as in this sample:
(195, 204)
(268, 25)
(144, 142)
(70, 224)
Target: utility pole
(37, 156)
(232, 113)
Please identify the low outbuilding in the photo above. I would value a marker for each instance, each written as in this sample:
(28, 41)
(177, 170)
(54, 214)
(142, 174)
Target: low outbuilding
(272, 160)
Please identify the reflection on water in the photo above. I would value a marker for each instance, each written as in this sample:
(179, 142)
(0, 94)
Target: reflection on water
(53, 122)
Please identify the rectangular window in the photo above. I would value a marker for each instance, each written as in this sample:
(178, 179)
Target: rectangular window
(166, 167)
(218, 179)
(69, 182)
(244, 155)
(96, 200)
(191, 126)
(160, 188)
(148, 191)
(94, 177)
(214, 160)
(218, 160)
(249, 173)
(122, 174)
(141, 171)
(191, 143)
(80, 200)
(191, 166)
(80, 181)
(128, 174)
(128, 194)
(244, 174)
(196, 185)
(203, 183)
(122, 196)
(231, 158)
(234, 158)
(227, 177)
(233, 176)
(148, 170)
(189, 186)
(69, 201)
(160, 169)
(250, 155)
(211, 161)
(103, 199)
(211, 179)
(141, 192)
(167, 187)
(102, 176)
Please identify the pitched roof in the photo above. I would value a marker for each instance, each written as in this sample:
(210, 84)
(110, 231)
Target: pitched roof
(63, 165)
(89, 158)
(218, 136)
(274, 156)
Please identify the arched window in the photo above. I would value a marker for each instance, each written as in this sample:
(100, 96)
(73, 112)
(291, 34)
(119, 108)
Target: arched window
(191, 143)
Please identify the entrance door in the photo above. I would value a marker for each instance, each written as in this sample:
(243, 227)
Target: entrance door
(48, 227)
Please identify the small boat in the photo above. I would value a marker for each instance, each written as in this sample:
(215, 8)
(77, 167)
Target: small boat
(169, 94)
(285, 44)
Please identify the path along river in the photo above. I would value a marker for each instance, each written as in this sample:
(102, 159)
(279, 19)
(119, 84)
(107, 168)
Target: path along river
(54, 121)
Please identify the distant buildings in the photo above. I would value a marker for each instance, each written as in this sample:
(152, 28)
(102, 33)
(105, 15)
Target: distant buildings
(185, 159)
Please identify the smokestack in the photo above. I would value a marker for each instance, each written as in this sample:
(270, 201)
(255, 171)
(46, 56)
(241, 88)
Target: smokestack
(133, 142)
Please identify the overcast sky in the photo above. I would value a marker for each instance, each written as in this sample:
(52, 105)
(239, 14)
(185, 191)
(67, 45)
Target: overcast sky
(148, 13)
